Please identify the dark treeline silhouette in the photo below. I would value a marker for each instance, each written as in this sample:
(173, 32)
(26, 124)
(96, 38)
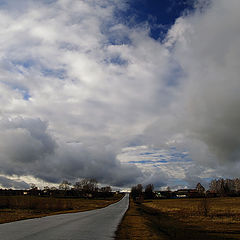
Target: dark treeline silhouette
(217, 188)
(138, 193)
(84, 188)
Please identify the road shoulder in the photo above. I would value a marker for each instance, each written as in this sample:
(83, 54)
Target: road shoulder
(137, 225)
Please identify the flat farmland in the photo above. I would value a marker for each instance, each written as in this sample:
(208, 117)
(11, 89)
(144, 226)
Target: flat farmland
(211, 218)
(13, 208)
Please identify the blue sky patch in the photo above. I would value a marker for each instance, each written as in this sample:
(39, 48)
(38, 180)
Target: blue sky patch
(27, 63)
(117, 60)
(147, 153)
(57, 73)
(118, 39)
(143, 161)
(26, 95)
(159, 14)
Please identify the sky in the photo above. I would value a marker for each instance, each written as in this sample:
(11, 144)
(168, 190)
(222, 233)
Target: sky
(123, 91)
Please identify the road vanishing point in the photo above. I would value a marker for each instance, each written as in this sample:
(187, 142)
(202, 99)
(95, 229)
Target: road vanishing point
(97, 224)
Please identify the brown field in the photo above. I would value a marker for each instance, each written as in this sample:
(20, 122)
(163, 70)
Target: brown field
(135, 225)
(215, 218)
(13, 208)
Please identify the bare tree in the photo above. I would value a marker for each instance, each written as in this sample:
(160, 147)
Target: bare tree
(237, 185)
(137, 191)
(87, 185)
(149, 194)
(65, 185)
(78, 186)
(33, 186)
(213, 185)
(225, 186)
(218, 186)
(140, 188)
(204, 206)
(106, 189)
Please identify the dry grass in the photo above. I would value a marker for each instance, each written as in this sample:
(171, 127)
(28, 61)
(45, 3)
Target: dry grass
(219, 217)
(135, 225)
(13, 208)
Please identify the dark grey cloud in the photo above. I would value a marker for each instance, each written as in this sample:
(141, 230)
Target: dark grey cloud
(27, 148)
(72, 161)
(204, 113)
(210, 59)
(24, 143)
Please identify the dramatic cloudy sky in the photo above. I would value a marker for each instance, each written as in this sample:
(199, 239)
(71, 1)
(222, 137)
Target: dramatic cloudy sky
(125, 91)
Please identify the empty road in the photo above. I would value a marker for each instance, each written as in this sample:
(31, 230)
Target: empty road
(96, 224)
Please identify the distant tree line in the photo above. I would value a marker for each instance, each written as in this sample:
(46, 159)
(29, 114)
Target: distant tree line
(225, 186)
(87, 188)
(139, 193)
(217, 188)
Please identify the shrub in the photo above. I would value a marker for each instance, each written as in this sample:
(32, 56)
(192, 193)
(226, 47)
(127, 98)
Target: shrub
(204, 206)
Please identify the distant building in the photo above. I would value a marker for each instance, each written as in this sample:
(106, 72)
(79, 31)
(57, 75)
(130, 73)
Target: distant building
(210, 193)
(188, 193)
(164, 194)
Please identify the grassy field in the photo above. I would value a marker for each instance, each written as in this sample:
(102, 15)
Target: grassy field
(136, 225)
(215, 218)
(13, 208)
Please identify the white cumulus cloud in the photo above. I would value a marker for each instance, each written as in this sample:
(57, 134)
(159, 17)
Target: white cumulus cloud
(77, 87)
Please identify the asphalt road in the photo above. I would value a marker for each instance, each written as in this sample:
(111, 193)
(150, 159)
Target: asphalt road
(98, 224)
